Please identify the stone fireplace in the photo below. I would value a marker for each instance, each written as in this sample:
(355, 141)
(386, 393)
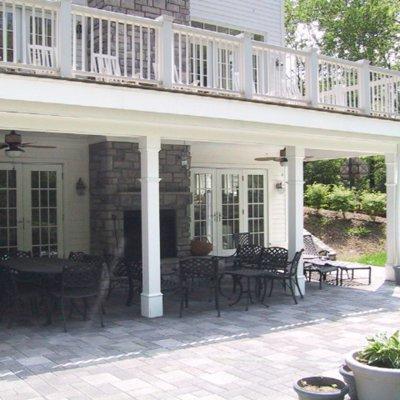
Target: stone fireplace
(115, 201)
(133, 234)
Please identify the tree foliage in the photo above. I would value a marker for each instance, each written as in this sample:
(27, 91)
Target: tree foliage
(350, 29)
(323, 171)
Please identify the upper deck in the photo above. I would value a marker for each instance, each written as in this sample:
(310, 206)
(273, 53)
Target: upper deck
(71, 41)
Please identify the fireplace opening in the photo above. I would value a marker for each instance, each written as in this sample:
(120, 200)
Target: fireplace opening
(133, 234)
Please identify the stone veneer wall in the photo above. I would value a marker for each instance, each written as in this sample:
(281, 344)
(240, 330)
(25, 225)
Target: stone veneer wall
(178, 9)
(115, 187)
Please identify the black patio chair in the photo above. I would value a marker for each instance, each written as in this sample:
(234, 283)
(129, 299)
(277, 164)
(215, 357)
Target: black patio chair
(124, 273)
(274, 259)
(77, 256)
(311, 251)
(247, 256)
(193, 268)
(241, 239)
(14, 294)
(287, 276)
(81, 281)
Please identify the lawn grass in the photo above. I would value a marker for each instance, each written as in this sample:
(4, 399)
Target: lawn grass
(378, 259)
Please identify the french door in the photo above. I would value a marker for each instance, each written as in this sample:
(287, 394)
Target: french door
(226, 202)
(31, 208)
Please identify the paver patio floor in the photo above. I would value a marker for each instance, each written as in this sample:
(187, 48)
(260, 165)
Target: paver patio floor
(240, 356)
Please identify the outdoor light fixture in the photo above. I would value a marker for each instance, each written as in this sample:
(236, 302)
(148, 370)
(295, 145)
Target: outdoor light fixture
(280, 187)
(14, 153)
(80, 187)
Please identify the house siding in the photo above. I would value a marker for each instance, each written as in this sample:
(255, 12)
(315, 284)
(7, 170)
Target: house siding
(257, 16)
(73, 156)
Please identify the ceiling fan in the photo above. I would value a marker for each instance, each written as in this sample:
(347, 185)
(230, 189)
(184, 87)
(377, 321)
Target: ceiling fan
(281, 159)
(15, 147)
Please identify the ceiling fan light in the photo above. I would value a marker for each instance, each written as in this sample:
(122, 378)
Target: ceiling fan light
(12, 153)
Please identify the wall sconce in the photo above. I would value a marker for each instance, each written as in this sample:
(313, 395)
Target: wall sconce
(280, 187)
(79, 30)
(186, 160)
(80, 187)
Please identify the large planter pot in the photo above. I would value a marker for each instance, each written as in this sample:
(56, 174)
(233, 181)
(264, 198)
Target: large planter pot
(305, 394)
(397, 274)
(348, 377)
(374, 383)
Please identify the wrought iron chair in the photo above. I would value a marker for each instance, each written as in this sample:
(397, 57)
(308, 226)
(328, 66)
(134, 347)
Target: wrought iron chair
(311, 253)
(288, 276)
(242, 239)
(274, 259)
(126, 274)
(81, 281)
(248, 256)
(13, 294)
(77, 256)
(198, 268)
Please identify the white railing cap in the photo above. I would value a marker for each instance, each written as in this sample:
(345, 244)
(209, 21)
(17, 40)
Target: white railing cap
(46, 4)
(114, 16)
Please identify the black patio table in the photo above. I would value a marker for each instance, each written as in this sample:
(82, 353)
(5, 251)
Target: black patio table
(44, 267)
(41, 266)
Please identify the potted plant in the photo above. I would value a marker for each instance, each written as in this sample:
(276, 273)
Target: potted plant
(348, 377)
(397, 274)
(376, 368)
(320, 388)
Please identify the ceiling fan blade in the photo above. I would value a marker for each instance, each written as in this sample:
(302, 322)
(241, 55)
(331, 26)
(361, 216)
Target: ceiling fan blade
(268, 159)
(3, 146)
(37, 146)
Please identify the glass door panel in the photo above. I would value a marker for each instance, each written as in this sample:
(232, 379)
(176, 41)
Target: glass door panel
(43, 210)
(8, 209)
(256, 207)
(229, 205)
(203, 206)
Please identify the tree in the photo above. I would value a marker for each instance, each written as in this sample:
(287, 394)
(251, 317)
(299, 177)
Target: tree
(350, 29)
(323, 171)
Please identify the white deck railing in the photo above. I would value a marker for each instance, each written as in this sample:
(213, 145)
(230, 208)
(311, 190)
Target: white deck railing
(56, 37)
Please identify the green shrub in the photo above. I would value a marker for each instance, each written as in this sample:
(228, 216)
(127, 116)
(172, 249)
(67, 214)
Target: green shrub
(341, 199)
(382, 351)
(316, 195)
(358, 231)
(373, 204)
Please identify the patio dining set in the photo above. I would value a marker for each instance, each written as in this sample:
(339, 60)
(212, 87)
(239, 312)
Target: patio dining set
(85, 282)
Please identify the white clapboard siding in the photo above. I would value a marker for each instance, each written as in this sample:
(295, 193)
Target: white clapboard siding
(258, 16)
(73, 155)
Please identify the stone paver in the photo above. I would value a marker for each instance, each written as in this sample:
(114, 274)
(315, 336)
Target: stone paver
(240, 356)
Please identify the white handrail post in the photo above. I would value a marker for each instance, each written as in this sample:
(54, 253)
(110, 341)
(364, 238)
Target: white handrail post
(166, 42)
(364, 81)
(312, 86)
(246, 72)
(65, 38)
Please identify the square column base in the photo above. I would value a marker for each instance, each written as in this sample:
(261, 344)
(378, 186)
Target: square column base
(302, 284)
(152, 305)
(389, 273)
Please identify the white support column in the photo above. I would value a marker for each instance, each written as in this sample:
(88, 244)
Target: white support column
(312, 84)
(166, 51)
(151, 298)
(392, 213)
(246, 73)
(295, 157)
(365, 96)
(64, 40)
